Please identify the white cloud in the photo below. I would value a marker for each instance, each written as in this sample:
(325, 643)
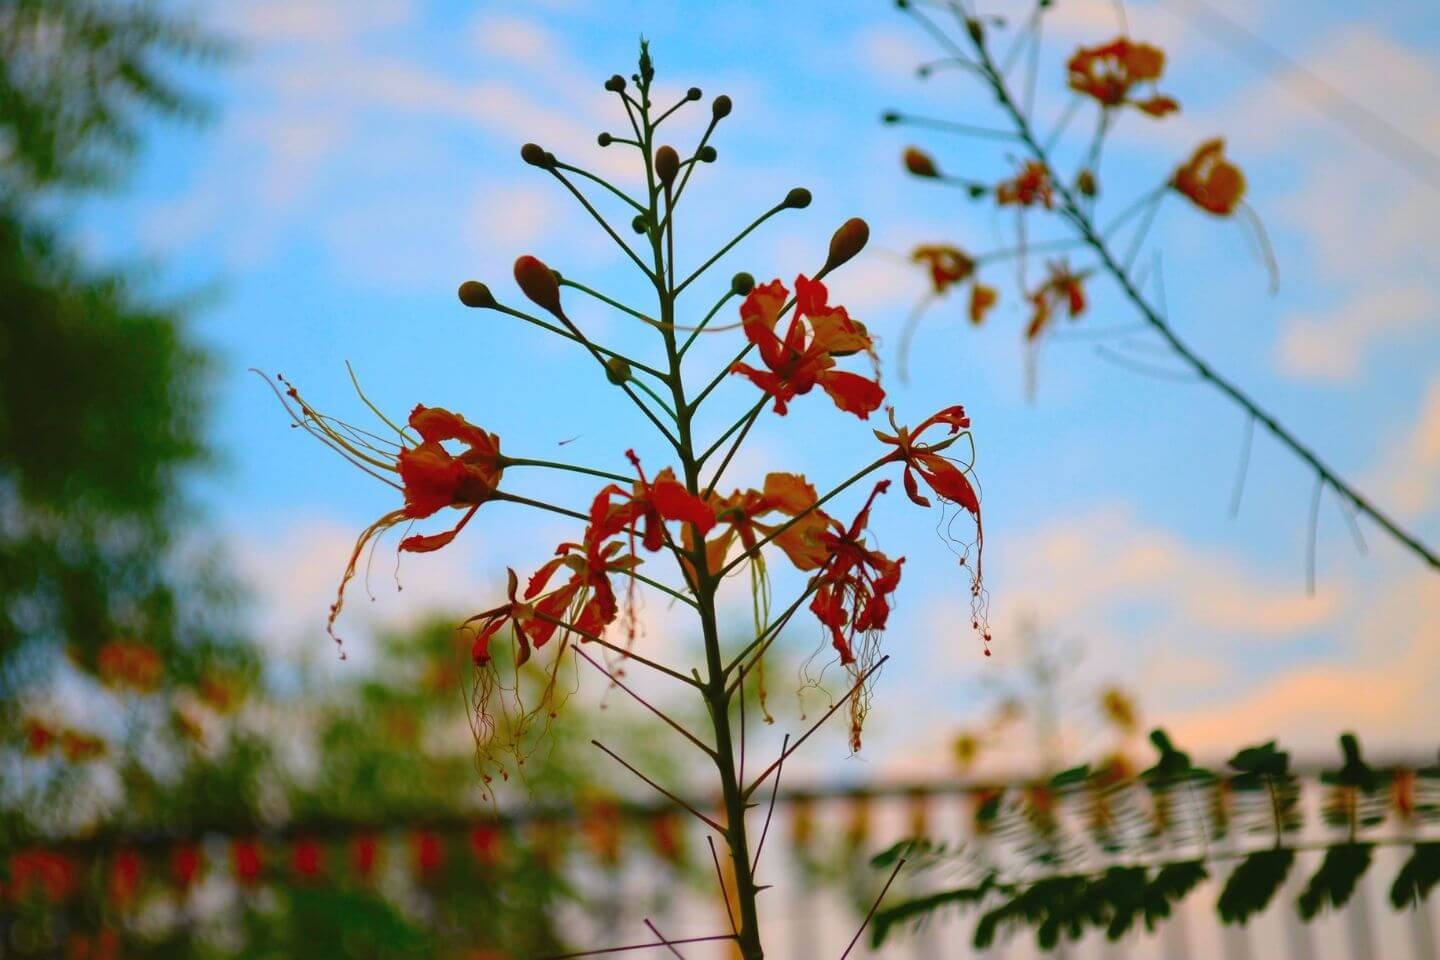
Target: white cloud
(1333, 344)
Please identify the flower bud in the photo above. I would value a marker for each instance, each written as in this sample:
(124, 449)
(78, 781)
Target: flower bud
(741, 284)
(475, 294)
(638, 224)
(889, 116)
(667, 164)
(918, 162)
(846, 242)
(539, 283)
(976, 30)
(797, 199)
(615, 84)
(617, 370)
(1085, 183)
(706, 154)
(535, 155)
(721, 107)
(604, 139)
(693, 93)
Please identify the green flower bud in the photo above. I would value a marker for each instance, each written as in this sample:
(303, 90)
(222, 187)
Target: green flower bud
(741, 284)
(475, 294)
(693, 93)
(535, 155)
(615, 84)
(604, 139)
(617, 370)
(721, 107)
(667, 164)
(797, 199)
(707, 154)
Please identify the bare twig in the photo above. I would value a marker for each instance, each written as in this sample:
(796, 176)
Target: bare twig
(639, 946)
(765, 830)
(645, 703)
(669, 944)
(875, 906)
(720, 878)
(860, 682)
(618, 759)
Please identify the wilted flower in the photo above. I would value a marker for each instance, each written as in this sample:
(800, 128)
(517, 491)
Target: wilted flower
(951, 265)
(1110, 72)
(1211, 182)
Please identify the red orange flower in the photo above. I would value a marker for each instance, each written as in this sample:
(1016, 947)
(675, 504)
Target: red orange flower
(787, 494)
(431, 476)
(806, 355)
(646, 507)
(951, 265)
(1062, 290)
(1209, 181)
(856, 582)
(1110, 72)
(1027, 188)
(947, 480)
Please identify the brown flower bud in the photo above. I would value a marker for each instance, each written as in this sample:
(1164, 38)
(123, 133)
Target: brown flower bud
(538, 283)
(1085, 183)
(617, 370)
(721, 107)
(846, 242)
(475, 294)
(918, 162)
(535, 155)
(797, 199)
(667, 164)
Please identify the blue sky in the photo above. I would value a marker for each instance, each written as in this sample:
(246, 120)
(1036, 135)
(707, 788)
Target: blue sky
(364, 161)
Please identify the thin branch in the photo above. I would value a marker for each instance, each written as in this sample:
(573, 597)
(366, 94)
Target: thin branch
(827, 715)
(1078, 216)
(639, 946)
(615, 648)
(655, 786)
(645, 703)
(663, 939)
(1243, 468)
(769, 813)
(730, 246)
(720, 876)
(876, 906)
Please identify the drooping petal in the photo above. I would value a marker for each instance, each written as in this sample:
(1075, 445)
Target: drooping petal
(852, 392)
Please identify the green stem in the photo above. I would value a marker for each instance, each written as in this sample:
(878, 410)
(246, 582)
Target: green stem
(703, 323)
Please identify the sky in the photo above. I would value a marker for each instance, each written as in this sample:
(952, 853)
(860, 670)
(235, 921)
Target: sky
(364, 159)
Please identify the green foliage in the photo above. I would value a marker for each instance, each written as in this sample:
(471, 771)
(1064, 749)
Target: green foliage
(1035, 870)
(1418, 877)
(77, 78)
(1335, 881)
(1253, 884)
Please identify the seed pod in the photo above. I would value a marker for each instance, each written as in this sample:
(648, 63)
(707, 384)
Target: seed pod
(475, 294)
(846, 242)
(667, 164)
(535, 155)
(721, 107)
(918, 162)
(617, 370)
(741, 284)
(538, 282)
(797, 199)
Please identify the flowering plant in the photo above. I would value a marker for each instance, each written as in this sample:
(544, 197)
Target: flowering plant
(585, 594)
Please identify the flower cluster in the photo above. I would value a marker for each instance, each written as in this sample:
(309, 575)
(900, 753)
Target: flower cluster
(949, 265)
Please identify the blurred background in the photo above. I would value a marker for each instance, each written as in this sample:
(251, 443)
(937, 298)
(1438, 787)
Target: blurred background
(192, 190)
